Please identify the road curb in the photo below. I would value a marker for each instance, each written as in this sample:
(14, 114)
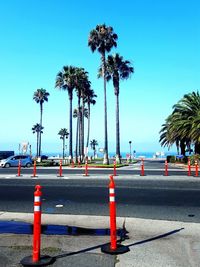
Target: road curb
(88, 221)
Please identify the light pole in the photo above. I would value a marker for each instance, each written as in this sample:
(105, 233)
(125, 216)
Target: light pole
(130, 149)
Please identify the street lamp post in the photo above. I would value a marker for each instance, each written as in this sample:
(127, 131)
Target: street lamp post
(130, 149)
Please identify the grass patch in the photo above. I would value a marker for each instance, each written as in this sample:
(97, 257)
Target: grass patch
(97, 163)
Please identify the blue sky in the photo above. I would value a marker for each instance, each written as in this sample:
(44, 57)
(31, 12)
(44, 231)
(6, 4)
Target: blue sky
(37, 38)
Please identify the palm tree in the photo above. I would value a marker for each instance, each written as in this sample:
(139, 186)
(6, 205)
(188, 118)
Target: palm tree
(117, 69)
(182, 126)
(37, 128)
(89, 99)
(63, 135)
(78, 136)
(40, 96)
(189, 109)
(75, 116)
(169, 134)
(93, 144)
(103, 39)
(82, 84)
(65, 80)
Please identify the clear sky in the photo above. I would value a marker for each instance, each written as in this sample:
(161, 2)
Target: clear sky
(39, 37)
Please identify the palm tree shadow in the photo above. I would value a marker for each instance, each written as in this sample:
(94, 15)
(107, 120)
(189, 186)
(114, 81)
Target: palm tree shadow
(155, 238)
(79, 252)
(119, 241)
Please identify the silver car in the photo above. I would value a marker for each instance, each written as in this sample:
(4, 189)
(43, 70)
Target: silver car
(13, 161)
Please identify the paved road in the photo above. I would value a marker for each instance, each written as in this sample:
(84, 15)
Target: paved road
(143, 198)
(151, 168)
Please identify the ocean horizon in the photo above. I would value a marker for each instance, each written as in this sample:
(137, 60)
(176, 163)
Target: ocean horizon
(144, 154)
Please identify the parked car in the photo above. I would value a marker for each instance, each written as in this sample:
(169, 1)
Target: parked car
(13, 161)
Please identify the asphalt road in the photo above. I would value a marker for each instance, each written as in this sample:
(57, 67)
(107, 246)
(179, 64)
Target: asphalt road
(154, 199)
(151, 168)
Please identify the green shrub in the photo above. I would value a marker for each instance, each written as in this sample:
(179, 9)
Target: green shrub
(171, 159)
(193, 158)
(47, 163)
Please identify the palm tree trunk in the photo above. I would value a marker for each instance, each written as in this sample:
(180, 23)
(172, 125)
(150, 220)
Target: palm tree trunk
(105, 160)
(63, 146)
(177, 146)
(70, 127)
(40, 134)
(77, 133)
(88, 133)
(80, 134)
(118, 157)
(82, 137)
(182, 146)
(37, 143)
(197, 148)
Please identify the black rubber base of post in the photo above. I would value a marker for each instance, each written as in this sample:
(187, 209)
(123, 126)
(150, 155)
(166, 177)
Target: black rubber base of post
(60, 176)
(119, 250)
(44, 261)
(32, 176)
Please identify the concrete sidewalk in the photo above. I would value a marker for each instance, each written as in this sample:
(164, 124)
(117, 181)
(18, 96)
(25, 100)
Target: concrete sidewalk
(151, 243)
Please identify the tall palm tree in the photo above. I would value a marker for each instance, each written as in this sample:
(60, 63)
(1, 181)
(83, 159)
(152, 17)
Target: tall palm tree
(78, 136)
(82, 84)
(37, 128)
(65, 80)
(40, 96)
(117, 69)
(103, 39)
(76, 116)
(63, 135)
(89, 99)
(93, 144)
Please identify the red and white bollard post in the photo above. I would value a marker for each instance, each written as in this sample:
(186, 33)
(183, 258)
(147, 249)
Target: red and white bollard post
(142, 167)
(36, 259)
(166, 168)
(189, 167)
(60, 169)
(86, 169)
(113, 228)
(34, 169)
(19, 169)
(114, 170)
(37, 223)
(113, 247)
(196, 169)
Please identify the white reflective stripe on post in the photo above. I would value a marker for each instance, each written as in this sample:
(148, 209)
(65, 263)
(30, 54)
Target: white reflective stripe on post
(112, 190)
(112, 199)
(36, 199)
(36, 208)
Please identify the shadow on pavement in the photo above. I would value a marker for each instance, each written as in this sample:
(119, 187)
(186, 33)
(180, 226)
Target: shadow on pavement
(78, 252)
(155, 238)
(119, 241)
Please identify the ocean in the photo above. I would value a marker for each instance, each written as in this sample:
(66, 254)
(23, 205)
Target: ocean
(148, 155)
